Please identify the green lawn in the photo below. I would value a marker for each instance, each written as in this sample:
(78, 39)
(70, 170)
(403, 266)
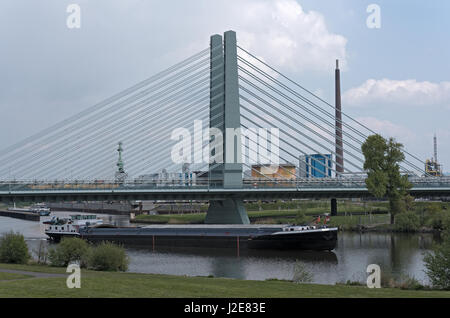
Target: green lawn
(109, 284)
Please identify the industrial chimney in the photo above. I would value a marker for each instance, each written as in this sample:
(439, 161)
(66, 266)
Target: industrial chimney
(339, 147)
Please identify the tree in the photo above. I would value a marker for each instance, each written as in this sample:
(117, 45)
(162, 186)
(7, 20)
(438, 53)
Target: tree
(13, 249)
(437, 264)
(382, 158)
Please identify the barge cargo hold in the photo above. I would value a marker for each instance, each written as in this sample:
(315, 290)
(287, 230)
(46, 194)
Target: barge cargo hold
(214, 236)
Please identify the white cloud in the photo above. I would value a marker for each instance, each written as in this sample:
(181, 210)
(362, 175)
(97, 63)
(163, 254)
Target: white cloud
(388, 129)
(398, 92)
(287, 36)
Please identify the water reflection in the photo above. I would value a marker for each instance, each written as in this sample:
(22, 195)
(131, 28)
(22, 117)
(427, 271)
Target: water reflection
(395, 253)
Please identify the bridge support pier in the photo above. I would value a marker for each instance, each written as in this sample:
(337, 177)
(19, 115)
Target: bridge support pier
(333, 207)
(229, 211)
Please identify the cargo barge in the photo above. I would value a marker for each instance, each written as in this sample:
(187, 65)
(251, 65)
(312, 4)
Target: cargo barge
(280, 237)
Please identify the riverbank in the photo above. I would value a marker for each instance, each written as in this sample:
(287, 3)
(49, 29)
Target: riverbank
(116, 284)
(368, 222)
(354, 218)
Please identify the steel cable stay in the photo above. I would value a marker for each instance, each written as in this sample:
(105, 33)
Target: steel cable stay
(159, 140)
(292, 109)
(330, 124)
(287, 161)
(103, 103)
(135, 133)
(97, 168)
(293, 119)
(162, 154)
(161, 123)
(116, 106)
(317, 116)
(197, 111)
(295, 129)
(295, 157)
(161, 93)
(345, 115)
(112, 124)
(279, 165)
(285, 150)
(143, 123)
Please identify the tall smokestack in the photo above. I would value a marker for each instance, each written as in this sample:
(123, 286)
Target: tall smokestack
(435, 148)
(339, 148)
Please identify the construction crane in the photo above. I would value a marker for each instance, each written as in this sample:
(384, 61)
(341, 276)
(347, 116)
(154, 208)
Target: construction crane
(432, 167)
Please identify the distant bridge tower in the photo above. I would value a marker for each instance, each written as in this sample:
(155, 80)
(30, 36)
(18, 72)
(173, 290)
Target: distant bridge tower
(225, 116)
(120, 175)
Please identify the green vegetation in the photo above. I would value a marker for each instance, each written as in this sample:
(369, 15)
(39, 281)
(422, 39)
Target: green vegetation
(407, 222)
(13, 249)
(403, 282)
(108, 257)
(69, 250)
(104, 257)
(422, 216)
(382, 158)
(10, 276)
(118, 284)
(437, 264)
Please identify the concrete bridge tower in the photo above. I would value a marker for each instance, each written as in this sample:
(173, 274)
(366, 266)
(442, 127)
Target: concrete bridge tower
(226, 171)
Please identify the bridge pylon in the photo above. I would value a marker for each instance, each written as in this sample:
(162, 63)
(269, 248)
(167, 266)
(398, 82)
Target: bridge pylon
(226, 170)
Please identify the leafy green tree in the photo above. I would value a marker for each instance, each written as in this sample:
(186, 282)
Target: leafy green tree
(108, 257)
(71, 249)
(437, 265)
(382, 159)
(13, 249)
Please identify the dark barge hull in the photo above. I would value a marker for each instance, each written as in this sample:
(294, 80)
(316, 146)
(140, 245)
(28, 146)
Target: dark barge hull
(251, 237)
(56, 237)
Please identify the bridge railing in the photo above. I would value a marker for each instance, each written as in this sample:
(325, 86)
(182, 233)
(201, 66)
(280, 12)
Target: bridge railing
(248, 183)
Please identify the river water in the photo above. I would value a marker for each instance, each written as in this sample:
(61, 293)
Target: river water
(396, 254)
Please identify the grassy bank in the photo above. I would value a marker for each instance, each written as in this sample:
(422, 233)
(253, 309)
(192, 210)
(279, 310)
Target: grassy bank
(112, 284)
(352, 215)
(268, 217)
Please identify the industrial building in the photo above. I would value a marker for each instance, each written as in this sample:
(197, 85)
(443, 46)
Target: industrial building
(280, 171)
(432, 167)
(315, 166)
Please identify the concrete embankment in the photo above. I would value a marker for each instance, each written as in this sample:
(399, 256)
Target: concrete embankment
(21, 215)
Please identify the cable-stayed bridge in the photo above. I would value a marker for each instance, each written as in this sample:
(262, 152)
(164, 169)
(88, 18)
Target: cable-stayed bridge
(274, 139)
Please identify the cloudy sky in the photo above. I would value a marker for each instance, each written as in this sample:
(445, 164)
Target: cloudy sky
(395, 79)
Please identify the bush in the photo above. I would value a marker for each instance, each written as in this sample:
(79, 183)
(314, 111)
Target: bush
(301, 218)
(407, 222)
(437, 265)
(437, 218)
(69, 250)
(108, 257)
(13, 249)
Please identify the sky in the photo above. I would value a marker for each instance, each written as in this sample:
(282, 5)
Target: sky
(395, 79)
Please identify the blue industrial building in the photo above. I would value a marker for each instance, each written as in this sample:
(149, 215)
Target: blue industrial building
(315, 166)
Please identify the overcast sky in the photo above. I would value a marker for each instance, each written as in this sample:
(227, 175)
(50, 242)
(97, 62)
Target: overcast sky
(396, 79)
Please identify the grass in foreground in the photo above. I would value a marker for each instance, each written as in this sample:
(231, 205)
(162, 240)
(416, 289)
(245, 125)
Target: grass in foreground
(113, 284)
(11, 276)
